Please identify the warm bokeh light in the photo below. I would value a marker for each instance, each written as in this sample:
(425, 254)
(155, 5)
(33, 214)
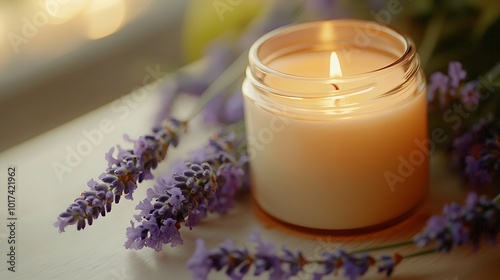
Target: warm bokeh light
(61, 11)
(4, 42)
(104, 17)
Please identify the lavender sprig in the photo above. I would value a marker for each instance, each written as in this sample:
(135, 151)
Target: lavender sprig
(444, 90)
(458, 225)
(238, 263)
(477, 152)
(220, 55)
(208, 184)
(475, 146)
(124, 172)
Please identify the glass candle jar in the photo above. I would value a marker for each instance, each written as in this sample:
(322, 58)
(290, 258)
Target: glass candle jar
(336, 123)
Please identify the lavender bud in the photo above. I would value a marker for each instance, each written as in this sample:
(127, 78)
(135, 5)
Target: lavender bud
(71, 220)
(206, 166)
(107, 179)
(190, 182)
(101, 195)
(109, 195)
(82, 203)
(180, 178)
(189, 173)
(90, 220)
(120, 171)
(158, 205)
(100, 187)
(80, 224)
(196, 167)
(65, 215)
(89, 193)
(180, 185)
(95, 212)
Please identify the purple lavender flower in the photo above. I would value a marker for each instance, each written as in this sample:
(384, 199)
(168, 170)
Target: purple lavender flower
(236, 262)
(224, 109)
(266, 259)
(295, 261)
(456, 73)
(233, 111)
(469, 94)
(355, 266)
(458, 225)
(200, 263)
(388, 263)
(121, 177)
(443, 90)
(461, 224)
(436, 231)
(208, 184)
(212, 111)
(438, 86)
(328, 264)
(482, 215)
(477, 152)
(453, 213)
(477, 173)
(462, 144)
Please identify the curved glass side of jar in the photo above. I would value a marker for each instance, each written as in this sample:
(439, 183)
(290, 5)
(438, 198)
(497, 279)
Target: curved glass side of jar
(336, 152)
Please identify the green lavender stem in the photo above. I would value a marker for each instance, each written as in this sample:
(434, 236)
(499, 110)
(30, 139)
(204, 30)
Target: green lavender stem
(431, 37)
(233, 72)
(383, 247)
(497, 198)
(417, 254)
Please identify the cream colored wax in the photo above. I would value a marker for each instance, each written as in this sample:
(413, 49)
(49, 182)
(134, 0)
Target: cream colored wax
(341, 169)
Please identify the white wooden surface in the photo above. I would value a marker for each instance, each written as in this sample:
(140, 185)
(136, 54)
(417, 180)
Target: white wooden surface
(98, 252)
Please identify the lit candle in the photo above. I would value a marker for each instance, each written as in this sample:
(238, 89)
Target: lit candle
(336, 125)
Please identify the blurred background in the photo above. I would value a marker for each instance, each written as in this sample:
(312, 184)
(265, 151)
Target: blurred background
(60, 59)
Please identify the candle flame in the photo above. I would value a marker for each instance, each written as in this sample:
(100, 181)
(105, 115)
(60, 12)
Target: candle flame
(335, 70)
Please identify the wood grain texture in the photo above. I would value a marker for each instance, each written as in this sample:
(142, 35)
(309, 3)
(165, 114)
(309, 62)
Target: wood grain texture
(98, 252)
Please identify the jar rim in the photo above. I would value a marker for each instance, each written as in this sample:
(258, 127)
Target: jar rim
(398, 81)
(409, 50)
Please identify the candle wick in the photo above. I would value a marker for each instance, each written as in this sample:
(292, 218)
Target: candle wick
(335, 86)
